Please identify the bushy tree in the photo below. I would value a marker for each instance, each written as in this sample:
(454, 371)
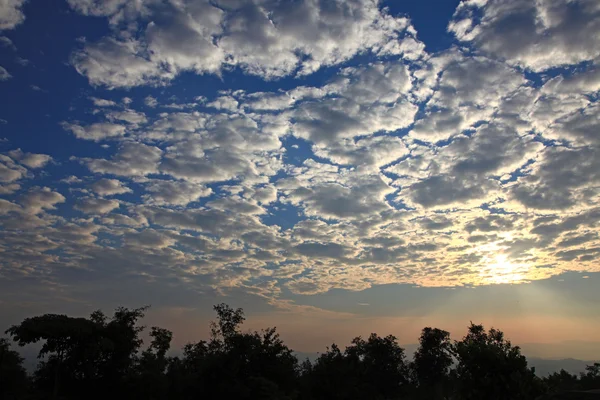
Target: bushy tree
(13, 378)
(561, 381)
(102, 358)
(431, 364)
(490, 367)
(590, 379)
(233, 364)
(91, 358)
(374, 368)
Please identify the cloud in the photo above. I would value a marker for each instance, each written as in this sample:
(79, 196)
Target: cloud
(4, 75)
(115, 63)
(11, 14)
(150, 101)
(469, 90)
(9, 189)
(103, 102)
(459, 167)
(109, 187)
(467, 170)
(132, 159)
(96, 132)
(178, 193)
(30, 160)
(90, 205)
(9, 171)
(129, 116)
(71, 179)
(38, 199)
(6, 42)
(264, 38)
(535, 35)
(345, 195)
(148, 238)
(361, 104)
(561, 179)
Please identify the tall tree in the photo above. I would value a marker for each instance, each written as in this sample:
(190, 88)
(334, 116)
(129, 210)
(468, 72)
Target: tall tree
(13, 378)
(63, 338)
(590, 379)
(89, 358)
(431, 364)
(368, 369)
(490, 367)
(233, 364)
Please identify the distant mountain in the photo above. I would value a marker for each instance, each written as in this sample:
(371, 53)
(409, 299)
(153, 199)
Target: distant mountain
(544, 367)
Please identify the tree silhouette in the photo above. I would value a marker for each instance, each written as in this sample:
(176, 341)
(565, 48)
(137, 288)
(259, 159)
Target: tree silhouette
(371, 369)
(102, 358)
(490, 367)
(432, 363)
(13, 378)
(85, 356)
(590, 379)
(237, 365)
(561, 381)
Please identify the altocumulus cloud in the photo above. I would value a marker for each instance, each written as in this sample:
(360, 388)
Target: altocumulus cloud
(398, 165)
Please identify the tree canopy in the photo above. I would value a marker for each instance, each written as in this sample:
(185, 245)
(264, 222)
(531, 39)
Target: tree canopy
(100, 357)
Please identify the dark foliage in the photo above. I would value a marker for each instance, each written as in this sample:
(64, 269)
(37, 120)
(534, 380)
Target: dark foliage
(102, 358)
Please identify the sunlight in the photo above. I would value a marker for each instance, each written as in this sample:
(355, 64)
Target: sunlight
(501, 270)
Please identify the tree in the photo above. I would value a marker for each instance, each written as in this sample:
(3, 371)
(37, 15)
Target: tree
(368, 369)
(89, 358)
(233, 364)
(150, 371)
(431, 364)
(62, 335)
(590, 379)
(561, 382)
(490, 367)
(13, 378)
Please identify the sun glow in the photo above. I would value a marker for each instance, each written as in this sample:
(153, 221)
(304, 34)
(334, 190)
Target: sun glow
(502, 270)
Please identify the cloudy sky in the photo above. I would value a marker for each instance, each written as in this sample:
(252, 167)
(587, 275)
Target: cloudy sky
(334, 167)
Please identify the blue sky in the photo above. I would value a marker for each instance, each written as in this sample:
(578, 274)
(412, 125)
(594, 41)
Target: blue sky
(361, 162)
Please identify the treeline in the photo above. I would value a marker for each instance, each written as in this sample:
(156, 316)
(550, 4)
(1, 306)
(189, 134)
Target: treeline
(105, 358)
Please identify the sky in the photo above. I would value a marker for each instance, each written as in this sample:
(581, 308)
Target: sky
(334, 167)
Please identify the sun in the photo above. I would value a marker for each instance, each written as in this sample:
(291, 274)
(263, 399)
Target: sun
(502, 270)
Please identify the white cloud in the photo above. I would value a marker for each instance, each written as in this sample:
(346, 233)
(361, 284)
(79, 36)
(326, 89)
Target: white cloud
(328, 192)
(71, 179)
(365, 102)
(96, 132)
(150, 101)
(117, 63)
(11, 14)
(132, 159)
(109, 187)
(38, 199)
(90, 205)
(30, 160)
(130, 116)
(4, 75)
(537, 35)
(6, 42)
(9, 189)
(562, 178)
(178, 193)
(103, 102)
(9, 171)
(408, 168)
(148, 238)
(265, 38)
